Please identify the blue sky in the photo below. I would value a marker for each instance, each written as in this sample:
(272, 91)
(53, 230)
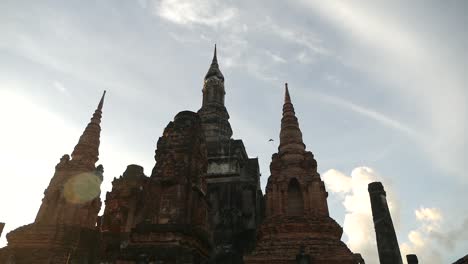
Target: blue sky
(379, 88)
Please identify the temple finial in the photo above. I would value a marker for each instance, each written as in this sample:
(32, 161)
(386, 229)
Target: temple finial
(290, 134)
(287, 97)
(215, 56)
(101, 103)
(214, 67)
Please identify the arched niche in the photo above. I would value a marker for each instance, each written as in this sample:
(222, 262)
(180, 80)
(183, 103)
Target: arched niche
(295, 203)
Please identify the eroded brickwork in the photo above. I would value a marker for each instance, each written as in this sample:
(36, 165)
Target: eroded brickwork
(122, 205)
(233, 178)
(172, 225)
(65, 227)
(297, 227)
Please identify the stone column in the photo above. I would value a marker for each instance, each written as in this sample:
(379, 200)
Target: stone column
(412, 259)
(387, 243)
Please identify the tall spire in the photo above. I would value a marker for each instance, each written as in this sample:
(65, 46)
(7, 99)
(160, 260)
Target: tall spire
(214, 68)
(215, 57)
(290, 135)
(287, 97)
(87, 149)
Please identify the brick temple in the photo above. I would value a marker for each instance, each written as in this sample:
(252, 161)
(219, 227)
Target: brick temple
(201, 203)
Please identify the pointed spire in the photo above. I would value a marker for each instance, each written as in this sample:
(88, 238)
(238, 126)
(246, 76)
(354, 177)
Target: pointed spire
(214, 68)
(101, 103)
(87, 149)
(215, 56)
(290, 134)
(287, 97)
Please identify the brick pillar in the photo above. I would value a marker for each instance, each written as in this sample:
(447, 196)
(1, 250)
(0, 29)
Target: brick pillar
(387, 243)
(412, 259)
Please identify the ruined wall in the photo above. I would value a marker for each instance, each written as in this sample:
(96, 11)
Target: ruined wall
(172, 225)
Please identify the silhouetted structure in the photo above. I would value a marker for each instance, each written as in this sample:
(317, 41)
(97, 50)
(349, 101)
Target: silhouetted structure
(297, 215)
(2, 225)
(233, 178)
(171, 225)
(65, 227)
(202, 202)
(412, 259)
(387, 243)
(463, 260)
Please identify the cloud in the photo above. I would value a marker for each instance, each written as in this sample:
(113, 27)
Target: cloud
(428, 214)
(364, 23)
(432, 237)
(419, 240)
(358, 226)
(416, 238)
(400, 54)
(372, 114)
(304, 57)
(275, 57)
(450, 238)
(312, 42)
(196, 12)
(337, 182)
(59, 86)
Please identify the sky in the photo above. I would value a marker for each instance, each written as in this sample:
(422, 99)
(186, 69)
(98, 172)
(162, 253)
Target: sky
(379, 87)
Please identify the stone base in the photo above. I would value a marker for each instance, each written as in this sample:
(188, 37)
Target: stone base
(166, 244)
(37, 243)
(280, 240)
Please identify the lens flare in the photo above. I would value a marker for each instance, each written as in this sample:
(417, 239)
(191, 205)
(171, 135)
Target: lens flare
(82, 188)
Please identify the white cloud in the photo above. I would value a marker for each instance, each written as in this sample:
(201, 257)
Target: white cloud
(428, 214)
(304, 57)
(275, 57)
(420, 241)
(201, 12)
(416, 238)
(59, 86)
(337, 182)
(433, 236)
(373, 114)
(304, 38)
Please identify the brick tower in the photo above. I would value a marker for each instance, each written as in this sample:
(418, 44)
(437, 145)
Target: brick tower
(172, 216)
(65, 227)
(233, 178)
(297, 227)
(122, 205)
